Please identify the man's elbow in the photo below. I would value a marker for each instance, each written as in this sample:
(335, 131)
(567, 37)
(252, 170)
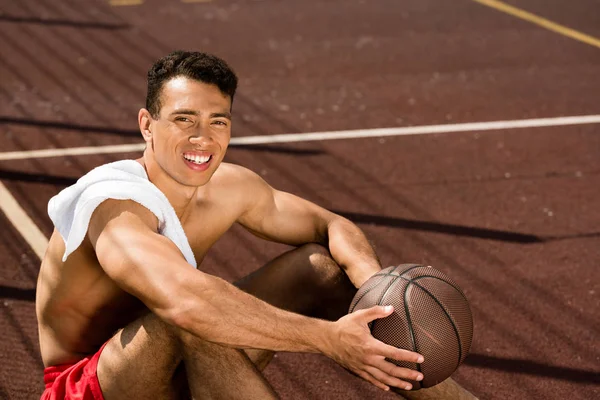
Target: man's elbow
(183, 314)
(340, 223)
(176, 316)
(186, 309)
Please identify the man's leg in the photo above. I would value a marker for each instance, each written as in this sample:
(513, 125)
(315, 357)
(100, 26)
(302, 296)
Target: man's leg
(306, 281)
(143, 361)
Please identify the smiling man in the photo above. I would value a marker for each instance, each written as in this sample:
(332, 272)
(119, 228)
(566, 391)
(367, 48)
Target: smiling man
(181, 332)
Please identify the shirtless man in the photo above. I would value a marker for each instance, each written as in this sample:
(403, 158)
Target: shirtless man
(180, 331)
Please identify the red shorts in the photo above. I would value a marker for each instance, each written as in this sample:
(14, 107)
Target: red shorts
(73, 381)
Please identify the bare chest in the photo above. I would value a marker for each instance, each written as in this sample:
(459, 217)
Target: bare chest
(206, 224)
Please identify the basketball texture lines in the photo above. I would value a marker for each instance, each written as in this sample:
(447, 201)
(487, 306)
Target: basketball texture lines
(431, 317)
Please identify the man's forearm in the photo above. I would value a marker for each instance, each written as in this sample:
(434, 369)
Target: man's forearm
(220, 312)
(350, 248)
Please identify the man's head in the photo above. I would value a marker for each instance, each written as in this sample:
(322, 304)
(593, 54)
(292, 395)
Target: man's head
(194, 65)
(187, 120)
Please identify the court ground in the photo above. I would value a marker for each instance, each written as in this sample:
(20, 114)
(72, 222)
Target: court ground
(462, 134)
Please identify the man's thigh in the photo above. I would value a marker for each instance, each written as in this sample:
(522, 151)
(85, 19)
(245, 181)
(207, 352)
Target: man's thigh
(141, 361)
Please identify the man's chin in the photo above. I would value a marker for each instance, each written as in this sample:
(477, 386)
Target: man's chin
(198, 180)
(193, 182)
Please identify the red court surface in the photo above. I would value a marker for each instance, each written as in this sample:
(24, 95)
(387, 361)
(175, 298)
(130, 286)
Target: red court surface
(510, 214)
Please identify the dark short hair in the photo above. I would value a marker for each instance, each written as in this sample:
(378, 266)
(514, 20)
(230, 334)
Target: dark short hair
(195, 65)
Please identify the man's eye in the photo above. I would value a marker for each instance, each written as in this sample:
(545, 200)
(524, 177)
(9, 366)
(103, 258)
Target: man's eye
(220, 123)
(183, 119)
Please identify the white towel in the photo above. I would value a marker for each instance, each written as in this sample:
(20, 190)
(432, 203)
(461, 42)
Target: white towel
(72, 208)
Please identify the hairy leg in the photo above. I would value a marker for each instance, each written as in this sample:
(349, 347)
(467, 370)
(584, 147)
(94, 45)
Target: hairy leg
(217, 372)
(143, 361)
(140, 359)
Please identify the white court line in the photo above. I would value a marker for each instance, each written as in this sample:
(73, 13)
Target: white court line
(419, 130)
(21, 221)
(72, 151)
(317, 136)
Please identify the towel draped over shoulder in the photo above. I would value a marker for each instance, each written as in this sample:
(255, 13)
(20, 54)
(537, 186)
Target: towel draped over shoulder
(72, 208)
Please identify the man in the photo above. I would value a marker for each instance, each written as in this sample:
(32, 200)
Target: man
(179, 330)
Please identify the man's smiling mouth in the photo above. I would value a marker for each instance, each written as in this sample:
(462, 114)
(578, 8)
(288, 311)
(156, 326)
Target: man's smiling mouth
(197, 158)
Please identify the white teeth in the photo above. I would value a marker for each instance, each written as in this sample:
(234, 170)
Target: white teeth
(197, 159)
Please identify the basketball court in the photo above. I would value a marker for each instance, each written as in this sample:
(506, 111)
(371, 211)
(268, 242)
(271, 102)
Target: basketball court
(460, 134)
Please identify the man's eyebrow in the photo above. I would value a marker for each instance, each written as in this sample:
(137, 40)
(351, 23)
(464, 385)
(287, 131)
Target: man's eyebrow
(185, 111)
(221, 115)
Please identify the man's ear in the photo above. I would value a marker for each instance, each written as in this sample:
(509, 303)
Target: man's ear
(144, 121)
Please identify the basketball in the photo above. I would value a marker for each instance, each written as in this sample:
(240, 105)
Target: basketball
(431, 317)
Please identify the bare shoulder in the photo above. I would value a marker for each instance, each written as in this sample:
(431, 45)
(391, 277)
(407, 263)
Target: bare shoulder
(241, 187)
(121, 212)
(240, 179)
(233, 173)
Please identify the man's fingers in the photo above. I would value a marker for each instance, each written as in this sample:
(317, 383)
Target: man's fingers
(397, 354)
(378, 370)
(373, 313)
(398, 372)
(369, 378)
(388, 379)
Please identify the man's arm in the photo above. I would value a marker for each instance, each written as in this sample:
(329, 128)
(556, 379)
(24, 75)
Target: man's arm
(151, 268)
(285, 218)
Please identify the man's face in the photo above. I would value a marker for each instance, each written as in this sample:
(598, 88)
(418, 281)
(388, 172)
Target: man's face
(192, 132)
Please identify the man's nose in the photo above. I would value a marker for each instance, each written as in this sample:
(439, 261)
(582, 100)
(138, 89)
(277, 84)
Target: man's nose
(201, 135)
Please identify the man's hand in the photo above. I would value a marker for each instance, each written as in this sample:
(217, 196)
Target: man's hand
(356, 349)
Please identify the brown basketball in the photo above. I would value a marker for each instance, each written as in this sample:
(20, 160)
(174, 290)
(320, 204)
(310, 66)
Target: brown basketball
(431, 317)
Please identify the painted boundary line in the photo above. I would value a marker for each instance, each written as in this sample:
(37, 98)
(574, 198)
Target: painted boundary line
(319, 136)
(540, 21)
(419, 130)
(118, 3)
(22, 222)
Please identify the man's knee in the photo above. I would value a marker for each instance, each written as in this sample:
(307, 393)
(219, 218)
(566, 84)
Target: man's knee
(319, 255)
(141, 358)
(324, 270)
(160, 335)
(332, 290)
(154, 329)
(315, 249)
